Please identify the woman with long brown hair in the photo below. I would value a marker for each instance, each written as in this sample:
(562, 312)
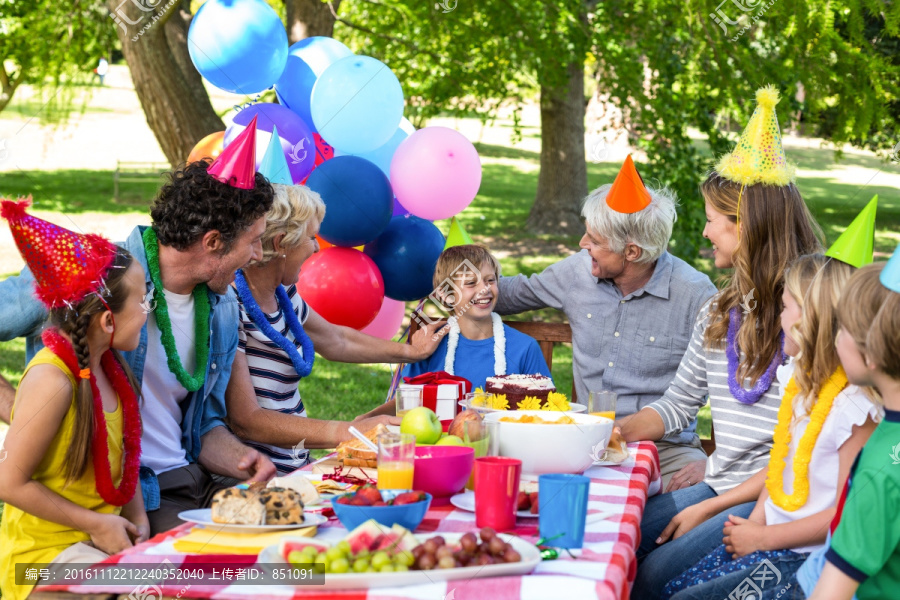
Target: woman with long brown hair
(758, 224)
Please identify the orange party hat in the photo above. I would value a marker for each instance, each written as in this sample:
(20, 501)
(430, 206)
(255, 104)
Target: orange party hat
(628, 194)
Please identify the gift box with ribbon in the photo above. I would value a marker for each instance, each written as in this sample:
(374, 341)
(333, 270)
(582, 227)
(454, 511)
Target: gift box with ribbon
(441, 392)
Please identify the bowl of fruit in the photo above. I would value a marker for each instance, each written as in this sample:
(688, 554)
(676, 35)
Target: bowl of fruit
(387, 507)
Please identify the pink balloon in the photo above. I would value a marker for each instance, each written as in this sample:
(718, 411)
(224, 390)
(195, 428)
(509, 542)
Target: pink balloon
(388, 319)
(435, 173)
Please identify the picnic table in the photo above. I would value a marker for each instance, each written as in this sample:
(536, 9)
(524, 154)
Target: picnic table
(604, 568)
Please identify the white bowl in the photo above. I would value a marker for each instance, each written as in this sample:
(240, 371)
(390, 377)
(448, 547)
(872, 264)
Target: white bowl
(551, 448)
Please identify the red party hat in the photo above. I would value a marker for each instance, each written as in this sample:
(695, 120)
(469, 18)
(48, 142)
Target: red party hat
(236, 166)
(67, 266)
(628, 194)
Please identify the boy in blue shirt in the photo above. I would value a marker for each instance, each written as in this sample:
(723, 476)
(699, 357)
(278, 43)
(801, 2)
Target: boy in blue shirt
(479, 345)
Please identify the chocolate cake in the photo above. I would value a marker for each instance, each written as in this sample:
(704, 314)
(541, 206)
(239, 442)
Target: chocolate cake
(516, 387)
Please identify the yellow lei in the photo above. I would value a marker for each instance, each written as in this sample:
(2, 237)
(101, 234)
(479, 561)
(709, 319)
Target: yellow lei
(782, 438)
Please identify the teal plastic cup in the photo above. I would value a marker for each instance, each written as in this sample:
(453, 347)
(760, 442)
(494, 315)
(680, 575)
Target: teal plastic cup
(562, 509)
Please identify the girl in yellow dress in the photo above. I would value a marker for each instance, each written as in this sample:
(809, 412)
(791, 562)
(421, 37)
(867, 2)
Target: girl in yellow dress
(70, 469)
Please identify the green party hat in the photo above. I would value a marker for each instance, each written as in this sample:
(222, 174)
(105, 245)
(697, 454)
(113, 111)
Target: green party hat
(857, 243)
(457, 235)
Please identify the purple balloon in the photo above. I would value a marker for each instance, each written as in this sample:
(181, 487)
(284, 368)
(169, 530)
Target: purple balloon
(399, 211)
(296, 138)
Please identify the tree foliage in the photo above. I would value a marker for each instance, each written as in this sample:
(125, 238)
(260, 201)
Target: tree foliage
(49, 45)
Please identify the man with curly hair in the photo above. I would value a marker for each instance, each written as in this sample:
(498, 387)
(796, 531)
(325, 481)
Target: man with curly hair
(203, 231)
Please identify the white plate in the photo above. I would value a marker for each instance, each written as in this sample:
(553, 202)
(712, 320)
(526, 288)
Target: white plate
(531, 557)
(466, 501)
(203, 516)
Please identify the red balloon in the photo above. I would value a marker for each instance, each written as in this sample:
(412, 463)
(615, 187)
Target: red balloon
(343, 285)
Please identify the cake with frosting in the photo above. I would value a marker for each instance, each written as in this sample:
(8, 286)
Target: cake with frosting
(517, 387)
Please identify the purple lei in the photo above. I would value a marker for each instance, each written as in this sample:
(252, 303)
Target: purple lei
(737, 390)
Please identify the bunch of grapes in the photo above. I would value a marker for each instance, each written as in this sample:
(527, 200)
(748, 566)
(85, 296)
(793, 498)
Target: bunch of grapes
(339, 559)
(434, 553)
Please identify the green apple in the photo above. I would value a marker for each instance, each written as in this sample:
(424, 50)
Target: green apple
(422, 423)
(450, 440)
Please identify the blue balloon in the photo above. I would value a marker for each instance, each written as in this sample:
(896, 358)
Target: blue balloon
(406, 254)
(358, 200)
(307, 59)
(382, 155)
(239, 46)
(357, 104)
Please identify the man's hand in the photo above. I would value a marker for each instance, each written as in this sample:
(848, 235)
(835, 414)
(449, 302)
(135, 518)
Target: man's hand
(689, 475)
(256, 465)
(743, 536)
(683, 522)
(425, 341)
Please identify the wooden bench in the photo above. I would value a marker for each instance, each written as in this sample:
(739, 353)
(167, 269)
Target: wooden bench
(548, 335)
(136, 172)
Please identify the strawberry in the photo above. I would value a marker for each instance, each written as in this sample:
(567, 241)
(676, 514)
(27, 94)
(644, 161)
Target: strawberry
(370, 493)
(358, 500)
(380, 503)
(344, 499)
(409, 498)
(522, 501)
(534, 502)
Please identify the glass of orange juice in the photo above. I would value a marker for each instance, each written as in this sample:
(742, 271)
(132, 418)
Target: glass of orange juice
(602, 404)
(396, 458)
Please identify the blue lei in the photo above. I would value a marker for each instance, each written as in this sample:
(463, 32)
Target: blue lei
(302, 364)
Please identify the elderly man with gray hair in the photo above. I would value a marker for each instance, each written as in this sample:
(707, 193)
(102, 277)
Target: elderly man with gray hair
(631, 305)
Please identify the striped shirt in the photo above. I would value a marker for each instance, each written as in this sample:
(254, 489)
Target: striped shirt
(274, 377)
(743, 431)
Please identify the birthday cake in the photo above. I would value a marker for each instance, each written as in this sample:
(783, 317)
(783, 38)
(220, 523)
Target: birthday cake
(517, 386)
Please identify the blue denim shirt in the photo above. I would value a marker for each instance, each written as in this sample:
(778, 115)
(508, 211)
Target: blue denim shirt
(23, 315)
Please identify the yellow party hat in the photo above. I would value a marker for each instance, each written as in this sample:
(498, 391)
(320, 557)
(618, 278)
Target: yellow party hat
(759, 156)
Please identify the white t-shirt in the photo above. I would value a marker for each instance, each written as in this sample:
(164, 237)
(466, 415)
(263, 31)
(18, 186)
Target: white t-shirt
(161, 448)
(851, 407)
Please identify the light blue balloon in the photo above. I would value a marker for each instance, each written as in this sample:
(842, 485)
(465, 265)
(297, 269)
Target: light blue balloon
(382, 155)
(274, 165)
(239, 46)
(357, 104)
(307, 59)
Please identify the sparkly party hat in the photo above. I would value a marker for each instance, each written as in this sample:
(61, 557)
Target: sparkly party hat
(274, 165)
(628, 194)
(890, 274)
(67, 266)
(457, 235)
(856, 245)
(236, 166)
(758, 156)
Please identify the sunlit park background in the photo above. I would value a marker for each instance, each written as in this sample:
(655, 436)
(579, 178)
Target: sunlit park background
(559, 87)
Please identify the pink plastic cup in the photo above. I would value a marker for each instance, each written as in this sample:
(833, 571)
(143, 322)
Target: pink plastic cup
(496, 489)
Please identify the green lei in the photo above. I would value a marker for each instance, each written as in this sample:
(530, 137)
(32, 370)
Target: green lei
(201, 321)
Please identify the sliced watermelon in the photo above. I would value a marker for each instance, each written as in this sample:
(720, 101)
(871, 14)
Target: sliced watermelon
(290, 545)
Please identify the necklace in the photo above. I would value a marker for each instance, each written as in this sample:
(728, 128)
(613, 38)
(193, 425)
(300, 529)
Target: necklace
(194, 382)
(131, 427)
(775, 479)
(737, 390)
(499, 345)
(302, 364)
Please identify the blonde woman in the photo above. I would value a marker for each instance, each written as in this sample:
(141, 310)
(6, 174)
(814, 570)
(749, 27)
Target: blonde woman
(279, 335)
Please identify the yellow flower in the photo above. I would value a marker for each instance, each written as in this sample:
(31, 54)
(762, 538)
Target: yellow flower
(530, 403)
(557, 401)
(480, 398)
(500, 402)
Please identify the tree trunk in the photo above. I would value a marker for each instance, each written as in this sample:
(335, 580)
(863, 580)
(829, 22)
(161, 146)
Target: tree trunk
(562, 182)
(307, 18)
(170, 90)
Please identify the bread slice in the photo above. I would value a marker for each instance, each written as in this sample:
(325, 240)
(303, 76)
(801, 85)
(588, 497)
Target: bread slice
(283, 506)
(298, 483)
(238, 507)
(354, 453)
(617, 449)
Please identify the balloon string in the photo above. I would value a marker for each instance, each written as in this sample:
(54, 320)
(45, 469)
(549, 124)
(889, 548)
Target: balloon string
(395, 378)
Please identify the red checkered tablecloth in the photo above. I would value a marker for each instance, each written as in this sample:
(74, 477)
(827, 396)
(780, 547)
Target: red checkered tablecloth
(603, 569)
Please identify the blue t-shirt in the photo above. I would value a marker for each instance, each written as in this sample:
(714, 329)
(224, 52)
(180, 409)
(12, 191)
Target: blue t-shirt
(475, 358)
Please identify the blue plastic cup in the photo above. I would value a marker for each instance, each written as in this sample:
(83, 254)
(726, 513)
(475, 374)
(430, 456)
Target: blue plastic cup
(562, 509)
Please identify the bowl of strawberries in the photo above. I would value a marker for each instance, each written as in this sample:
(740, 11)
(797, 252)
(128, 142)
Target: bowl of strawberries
(388, 507)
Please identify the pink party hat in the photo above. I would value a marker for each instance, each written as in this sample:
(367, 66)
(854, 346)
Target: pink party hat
(236, 166)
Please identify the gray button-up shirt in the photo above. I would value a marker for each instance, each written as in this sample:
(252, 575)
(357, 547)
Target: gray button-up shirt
(630, 344)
